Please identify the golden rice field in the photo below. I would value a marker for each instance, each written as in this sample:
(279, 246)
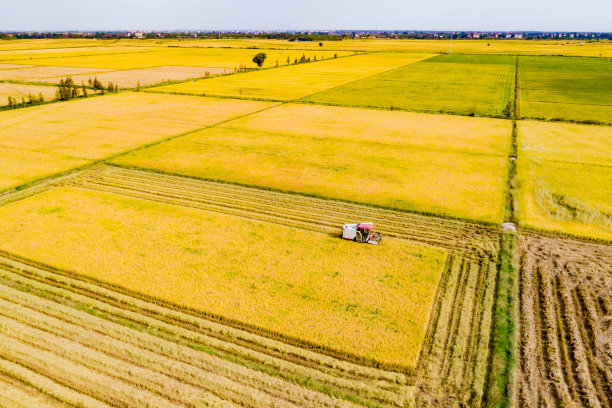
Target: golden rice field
(565, 182)
(72, 133)
(190, 257)
(296, 81)
(427, 163)
(164, 56)
(21, 91)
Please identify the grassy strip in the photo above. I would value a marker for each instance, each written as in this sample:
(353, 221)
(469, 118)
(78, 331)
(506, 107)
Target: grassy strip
(503, 359)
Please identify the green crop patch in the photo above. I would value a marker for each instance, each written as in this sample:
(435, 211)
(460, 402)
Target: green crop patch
(474, 85)
(568, 89)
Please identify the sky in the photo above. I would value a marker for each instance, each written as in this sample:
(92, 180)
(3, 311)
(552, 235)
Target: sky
(509, 15)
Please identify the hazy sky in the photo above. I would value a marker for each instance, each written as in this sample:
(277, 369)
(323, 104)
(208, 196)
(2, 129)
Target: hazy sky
(552, 15)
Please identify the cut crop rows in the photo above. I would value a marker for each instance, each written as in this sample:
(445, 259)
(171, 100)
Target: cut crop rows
(75, 341)
(564, 329)
(289, 209)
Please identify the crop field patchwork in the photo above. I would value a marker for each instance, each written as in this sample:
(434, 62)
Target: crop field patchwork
(565, 178)
(572, 89)
(89, 129)
(460, 84)
(179, 244)
(565, 307)
(397, 160)
(296, 81)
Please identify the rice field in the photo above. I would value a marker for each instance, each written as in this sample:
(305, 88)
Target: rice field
(458, 84)
(296, 81)
(568, 89)
(397, 160)
(189, 258)
(565, 182)
(20, 92)
(52, 138)
(137, 58)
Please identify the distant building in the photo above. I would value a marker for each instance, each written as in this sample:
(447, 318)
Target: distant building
(138, 34)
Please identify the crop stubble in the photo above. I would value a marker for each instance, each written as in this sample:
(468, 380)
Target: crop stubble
(564, 328)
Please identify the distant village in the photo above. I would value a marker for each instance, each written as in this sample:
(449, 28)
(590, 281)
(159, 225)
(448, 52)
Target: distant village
(314, 35)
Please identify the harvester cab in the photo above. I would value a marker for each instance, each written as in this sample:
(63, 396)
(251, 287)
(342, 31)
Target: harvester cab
(361, 233)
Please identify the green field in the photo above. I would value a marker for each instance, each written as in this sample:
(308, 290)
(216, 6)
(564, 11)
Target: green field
(566, 88)
(295, 81)
(460, 84)
(565, 178)
(438, 164)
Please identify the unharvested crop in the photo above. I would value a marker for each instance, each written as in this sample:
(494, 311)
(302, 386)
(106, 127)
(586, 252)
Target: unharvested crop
(44, 140)
(296, 81)
(376, 308)
(565, 179)
(436, 164)
(572, 89)
(460, 84)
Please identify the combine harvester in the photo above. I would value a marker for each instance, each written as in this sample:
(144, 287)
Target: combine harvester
(361, 233)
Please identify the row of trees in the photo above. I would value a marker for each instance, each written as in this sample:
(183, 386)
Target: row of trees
(67, 89)
(32, 100)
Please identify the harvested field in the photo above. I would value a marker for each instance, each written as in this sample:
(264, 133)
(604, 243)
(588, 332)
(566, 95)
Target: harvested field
(476, 85)
(572, 89)
(13, 66)
(190, 257)
(36, 74)
(437, 164)
(20, 92)
(564, 328)
(94, 128)
(455, 357)
(130, 78)
(565, 182)
(296, 81)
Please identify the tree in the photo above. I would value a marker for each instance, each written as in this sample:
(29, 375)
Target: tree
(97, 85)
(84, 89)
(288, 60)
(66, 89)
(320, 44)
(260, 58)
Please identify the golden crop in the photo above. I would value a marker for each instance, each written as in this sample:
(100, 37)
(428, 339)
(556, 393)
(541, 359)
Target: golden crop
(296, 81)
(364, 300)
(429, 163)
(53, 138)
(565, 182)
